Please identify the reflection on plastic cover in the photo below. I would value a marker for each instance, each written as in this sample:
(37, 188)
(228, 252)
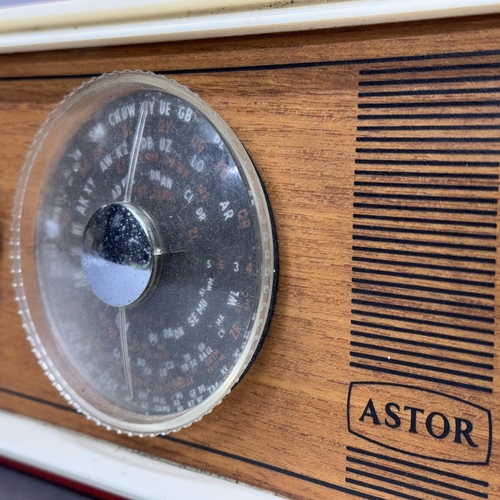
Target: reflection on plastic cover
(18, 3)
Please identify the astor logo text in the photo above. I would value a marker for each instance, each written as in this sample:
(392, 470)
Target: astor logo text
(420, 422)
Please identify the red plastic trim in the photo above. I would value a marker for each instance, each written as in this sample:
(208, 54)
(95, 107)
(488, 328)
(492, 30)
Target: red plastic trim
(60, 480)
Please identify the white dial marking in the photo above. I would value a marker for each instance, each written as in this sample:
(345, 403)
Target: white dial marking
(134, 154)
(122, 322)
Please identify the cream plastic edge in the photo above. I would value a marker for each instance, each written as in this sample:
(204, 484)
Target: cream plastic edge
(240, 22)
(110, 467)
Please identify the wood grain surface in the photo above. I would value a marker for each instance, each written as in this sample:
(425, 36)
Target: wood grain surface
(379, 149)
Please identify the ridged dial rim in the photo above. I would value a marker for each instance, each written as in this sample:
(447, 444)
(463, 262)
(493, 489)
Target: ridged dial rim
(268, 266)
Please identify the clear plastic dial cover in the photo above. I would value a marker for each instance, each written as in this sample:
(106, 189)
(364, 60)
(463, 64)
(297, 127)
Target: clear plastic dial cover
(143, 253)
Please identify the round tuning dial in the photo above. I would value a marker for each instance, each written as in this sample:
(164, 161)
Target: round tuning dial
(143, 252)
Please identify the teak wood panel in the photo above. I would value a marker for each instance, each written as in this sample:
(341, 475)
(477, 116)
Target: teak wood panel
(379, 150)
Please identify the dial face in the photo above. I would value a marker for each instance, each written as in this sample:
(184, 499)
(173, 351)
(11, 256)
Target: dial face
(154, 253)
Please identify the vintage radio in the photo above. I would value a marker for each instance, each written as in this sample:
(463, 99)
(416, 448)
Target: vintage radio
(144, 228)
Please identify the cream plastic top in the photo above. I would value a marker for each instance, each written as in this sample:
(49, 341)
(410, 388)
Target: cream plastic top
(87, 23)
